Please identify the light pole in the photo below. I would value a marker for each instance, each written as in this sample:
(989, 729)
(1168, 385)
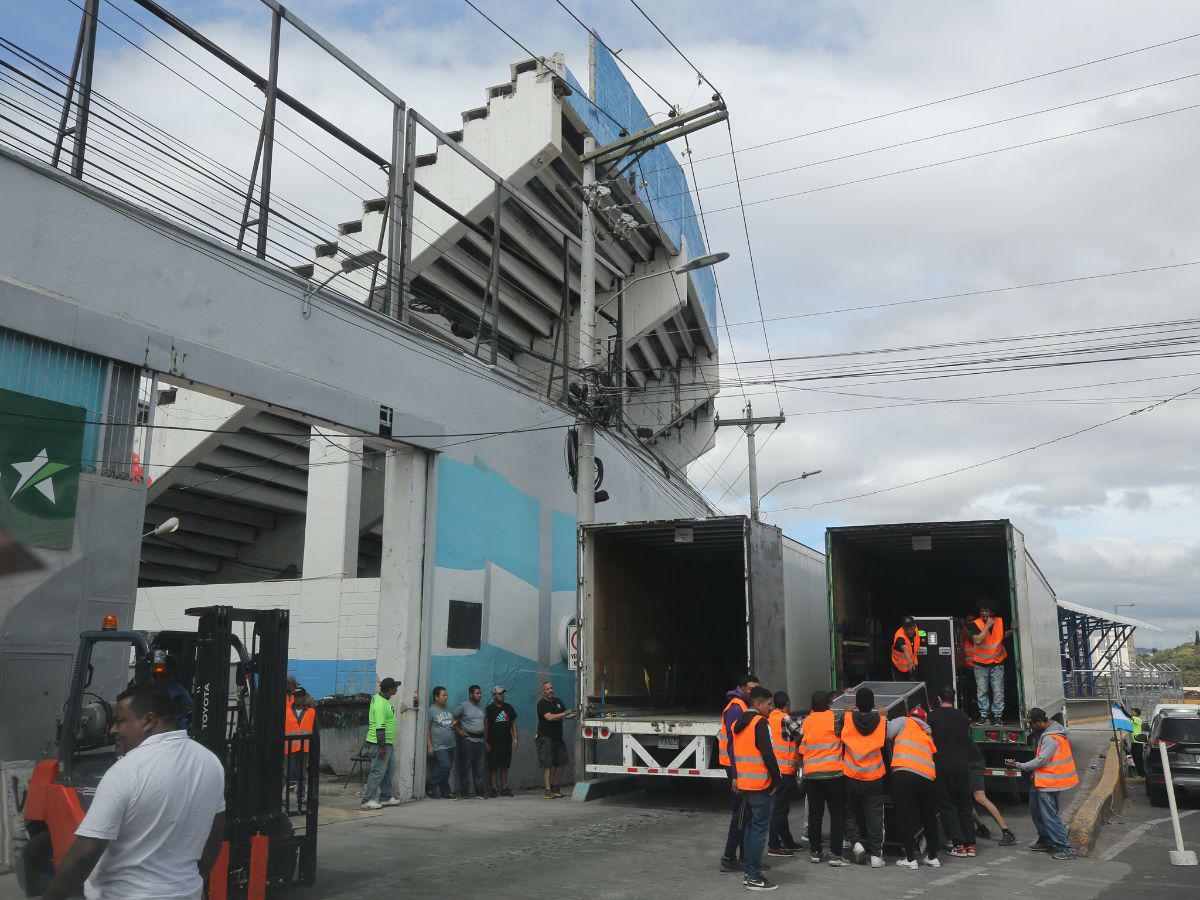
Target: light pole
(789, 481)
(168, 526)
(349, 264)
(700, 262)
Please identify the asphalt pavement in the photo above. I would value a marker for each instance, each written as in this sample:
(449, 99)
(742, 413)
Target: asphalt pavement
(666, 844)
(1140, 837)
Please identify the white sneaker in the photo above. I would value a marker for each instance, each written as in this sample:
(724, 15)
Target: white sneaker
(932, 863)
(371, 804)
(390, 802)
(906, 863)
(877, 862)
(858, 851)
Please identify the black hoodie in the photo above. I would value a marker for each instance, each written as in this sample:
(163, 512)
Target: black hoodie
(762, 741)
(865, 722)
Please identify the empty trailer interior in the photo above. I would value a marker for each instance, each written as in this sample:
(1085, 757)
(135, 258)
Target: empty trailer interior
(669, 613)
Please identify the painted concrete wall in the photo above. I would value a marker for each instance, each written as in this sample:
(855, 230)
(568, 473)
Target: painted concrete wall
(43, 611)
(333, 638)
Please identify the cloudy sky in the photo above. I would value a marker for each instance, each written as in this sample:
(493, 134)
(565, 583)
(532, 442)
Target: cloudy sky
(1112, 514)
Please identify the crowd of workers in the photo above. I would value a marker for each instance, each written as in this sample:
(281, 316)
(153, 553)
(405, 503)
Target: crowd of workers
(482, 739)
(922, 763)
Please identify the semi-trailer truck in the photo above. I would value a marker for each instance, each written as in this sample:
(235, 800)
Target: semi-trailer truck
(939, 573)
(672, 613)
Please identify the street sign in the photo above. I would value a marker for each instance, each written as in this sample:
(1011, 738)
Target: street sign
(572, 647)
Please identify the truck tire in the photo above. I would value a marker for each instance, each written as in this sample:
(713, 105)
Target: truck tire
(36, 865)
(1158, 796)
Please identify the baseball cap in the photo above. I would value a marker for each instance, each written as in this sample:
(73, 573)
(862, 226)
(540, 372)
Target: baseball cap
(386, 684)
(918, 712)
(908, 620)
(497, 689)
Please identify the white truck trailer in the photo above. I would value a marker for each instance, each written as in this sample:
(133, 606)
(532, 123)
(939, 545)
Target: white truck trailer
(673, 613)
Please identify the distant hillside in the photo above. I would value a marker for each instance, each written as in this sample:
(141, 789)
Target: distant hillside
(1187, 657)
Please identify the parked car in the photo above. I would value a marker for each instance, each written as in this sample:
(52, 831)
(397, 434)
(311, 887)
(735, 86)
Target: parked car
(1177, 729)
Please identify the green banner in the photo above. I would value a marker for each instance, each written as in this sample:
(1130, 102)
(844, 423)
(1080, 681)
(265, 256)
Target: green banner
(41, 443)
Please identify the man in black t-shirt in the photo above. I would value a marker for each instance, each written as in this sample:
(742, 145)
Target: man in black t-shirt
(551, 749)
(500, 738)
(952, 737)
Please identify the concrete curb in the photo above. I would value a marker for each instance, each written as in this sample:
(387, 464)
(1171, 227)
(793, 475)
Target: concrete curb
(599, 788)
(1107, 796)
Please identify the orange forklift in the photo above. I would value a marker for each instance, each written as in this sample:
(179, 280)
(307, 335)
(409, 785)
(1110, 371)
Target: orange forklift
(234, 666)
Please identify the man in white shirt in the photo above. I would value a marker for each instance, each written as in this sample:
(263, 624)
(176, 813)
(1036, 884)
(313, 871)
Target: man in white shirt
(155, 825)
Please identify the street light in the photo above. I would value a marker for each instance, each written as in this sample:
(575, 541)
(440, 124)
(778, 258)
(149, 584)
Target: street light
(349, 264)
(169, 526)
(700, 262)
(788, 480)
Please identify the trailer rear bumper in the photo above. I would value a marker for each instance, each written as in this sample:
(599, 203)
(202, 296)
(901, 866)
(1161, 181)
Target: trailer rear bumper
(674, 749)
(649, 770)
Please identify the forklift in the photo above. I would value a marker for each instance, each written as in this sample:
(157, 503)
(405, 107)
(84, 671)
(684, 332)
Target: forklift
(238, 684)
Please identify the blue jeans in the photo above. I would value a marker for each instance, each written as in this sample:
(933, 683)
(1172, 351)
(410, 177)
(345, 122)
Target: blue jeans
(1043, 809)
(383, 771)
(439, 777)
(991, 704)
(759, 805)
(472, 755)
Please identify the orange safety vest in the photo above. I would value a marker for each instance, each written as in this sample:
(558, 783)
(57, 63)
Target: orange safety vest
(787, 754)
(862, 757)
(723, 735)
(1060, 772)
(914, 644)
(991, 649)
(752, 774)
(820, 747)
(968, 648)
(913, 750)
(294, 728)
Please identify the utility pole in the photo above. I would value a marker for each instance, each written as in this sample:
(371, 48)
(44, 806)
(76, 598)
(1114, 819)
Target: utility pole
(586, 457)
(750, 425)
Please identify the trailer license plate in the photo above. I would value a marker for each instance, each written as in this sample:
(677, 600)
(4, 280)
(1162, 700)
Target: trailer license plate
(668, 743)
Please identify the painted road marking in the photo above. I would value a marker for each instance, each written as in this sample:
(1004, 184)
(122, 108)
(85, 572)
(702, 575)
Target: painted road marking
(1135, 833)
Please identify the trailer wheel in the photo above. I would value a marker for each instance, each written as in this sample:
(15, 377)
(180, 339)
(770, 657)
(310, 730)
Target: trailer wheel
(36, 867)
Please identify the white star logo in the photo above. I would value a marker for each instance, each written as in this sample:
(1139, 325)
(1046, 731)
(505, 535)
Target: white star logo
(38, 473)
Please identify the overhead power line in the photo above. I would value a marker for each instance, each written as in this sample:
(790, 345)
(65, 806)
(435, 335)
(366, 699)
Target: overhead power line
(995, 459)
(931, 137)
(944, 162)
(964, 95)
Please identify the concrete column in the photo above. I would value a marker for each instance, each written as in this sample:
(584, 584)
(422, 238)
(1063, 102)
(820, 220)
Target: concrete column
(334, 505)
(401, 577)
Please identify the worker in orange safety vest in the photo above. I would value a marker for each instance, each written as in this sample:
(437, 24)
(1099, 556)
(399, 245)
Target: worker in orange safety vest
(784, 730)
(912, 787)
(906, 644)
(299, 724)
(1053, 771)
(757, 781)
(737, 703)
(988, 656)
(864, 732)
(824, 784)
